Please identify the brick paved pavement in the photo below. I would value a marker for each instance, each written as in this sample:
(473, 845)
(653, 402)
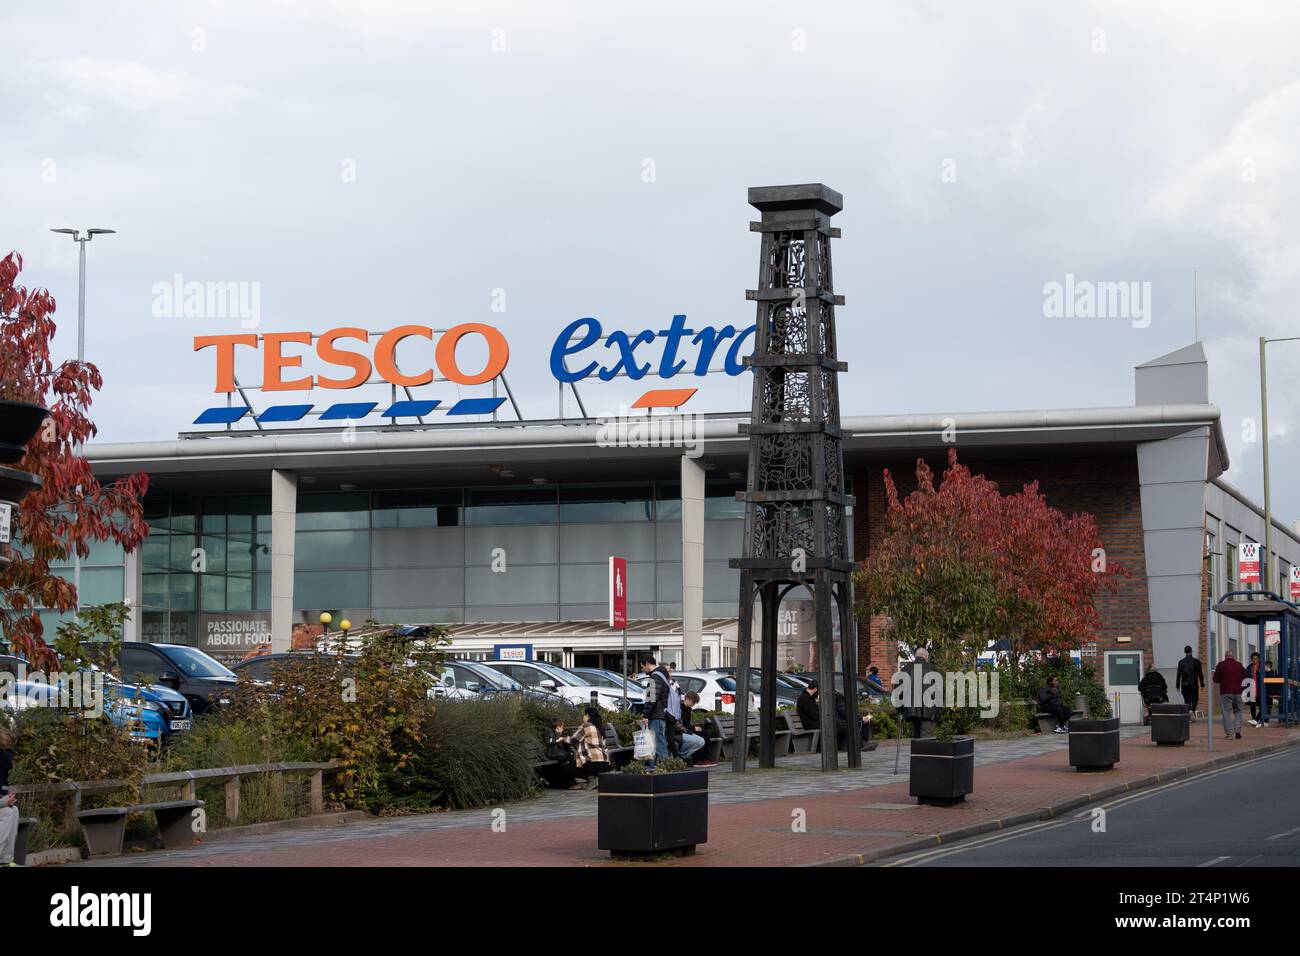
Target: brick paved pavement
(848, 814)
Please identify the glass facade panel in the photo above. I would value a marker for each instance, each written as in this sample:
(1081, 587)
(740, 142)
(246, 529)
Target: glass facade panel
(416, 509)
(331, 589)
(606, 503)
(333, 510)
(320, 550)
(511, 506)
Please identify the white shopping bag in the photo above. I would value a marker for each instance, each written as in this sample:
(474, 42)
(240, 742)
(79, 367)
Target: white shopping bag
(643, 745)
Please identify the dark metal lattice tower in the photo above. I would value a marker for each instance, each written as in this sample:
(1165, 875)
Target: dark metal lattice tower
(795, 505)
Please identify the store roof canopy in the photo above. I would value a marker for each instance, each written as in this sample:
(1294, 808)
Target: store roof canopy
(579, 629)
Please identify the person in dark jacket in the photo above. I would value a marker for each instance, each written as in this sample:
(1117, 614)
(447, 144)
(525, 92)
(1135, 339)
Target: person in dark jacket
(1050, 702)
(1229, 675)
(808, 707)
(1190, 679)
(559, 747)
(8, 802)
(654, 713)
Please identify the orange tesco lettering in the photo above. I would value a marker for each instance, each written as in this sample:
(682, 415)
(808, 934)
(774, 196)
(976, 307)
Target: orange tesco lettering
(278, 357)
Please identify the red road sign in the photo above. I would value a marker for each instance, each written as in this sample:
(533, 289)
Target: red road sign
(618, 592)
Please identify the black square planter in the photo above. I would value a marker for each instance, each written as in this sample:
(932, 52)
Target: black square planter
(653, 812)
(942, 772)
(1094, 744)
(1171, 724)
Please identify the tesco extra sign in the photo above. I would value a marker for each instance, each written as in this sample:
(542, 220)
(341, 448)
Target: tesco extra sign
(582, 349)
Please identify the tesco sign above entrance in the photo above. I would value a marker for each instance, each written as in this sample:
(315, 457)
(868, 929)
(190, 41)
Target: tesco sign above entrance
(581, 350)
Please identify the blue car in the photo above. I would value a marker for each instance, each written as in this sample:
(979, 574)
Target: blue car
(149, 713)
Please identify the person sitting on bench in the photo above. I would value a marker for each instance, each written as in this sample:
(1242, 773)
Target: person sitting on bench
(810, 715)
(8, 802)
(1050, 702)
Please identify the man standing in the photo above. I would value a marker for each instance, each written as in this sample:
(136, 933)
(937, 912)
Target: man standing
(1190, 679)
(8, 802)
(1229, 676)
(656, 703)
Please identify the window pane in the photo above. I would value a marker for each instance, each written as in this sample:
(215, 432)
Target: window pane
(213, 592)
(182, 591)
(611, 503)
(416, 509)
(313, 589)
(333, 510)
(720, 500)
(239, 592)
(511, 506)
(332, 549)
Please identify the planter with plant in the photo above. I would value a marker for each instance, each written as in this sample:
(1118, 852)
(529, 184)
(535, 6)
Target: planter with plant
(1094, 744)
(642, 811)
(942, 767)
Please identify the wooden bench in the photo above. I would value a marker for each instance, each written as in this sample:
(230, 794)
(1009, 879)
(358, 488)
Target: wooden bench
(25, 825)
(802, 740)
(105, 828)
(729, 740)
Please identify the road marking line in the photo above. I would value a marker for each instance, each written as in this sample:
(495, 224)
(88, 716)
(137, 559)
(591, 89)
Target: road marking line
(1278, 836)
(1083, 814)
(1217, 859)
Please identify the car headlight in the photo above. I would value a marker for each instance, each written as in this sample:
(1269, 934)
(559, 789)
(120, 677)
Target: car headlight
(152, 705)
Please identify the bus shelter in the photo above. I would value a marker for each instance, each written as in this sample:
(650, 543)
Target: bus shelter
(1269, 612)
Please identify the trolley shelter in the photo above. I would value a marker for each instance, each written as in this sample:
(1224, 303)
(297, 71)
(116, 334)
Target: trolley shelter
(1270, 612)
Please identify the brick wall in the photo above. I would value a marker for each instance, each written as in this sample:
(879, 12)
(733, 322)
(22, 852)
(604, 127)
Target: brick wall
(1107, 488)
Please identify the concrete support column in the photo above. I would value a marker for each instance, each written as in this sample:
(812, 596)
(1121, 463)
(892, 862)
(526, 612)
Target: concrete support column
(692, 563)
(284, 523)
(132, 585)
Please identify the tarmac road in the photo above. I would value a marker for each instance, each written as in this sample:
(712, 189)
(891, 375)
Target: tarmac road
(1244, 814)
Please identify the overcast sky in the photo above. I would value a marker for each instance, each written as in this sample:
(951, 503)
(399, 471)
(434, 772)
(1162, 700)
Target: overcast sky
(377, 163)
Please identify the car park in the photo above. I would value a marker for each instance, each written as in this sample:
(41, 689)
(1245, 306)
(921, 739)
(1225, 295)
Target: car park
(787, 691)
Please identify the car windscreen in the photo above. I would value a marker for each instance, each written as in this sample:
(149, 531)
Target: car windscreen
(495, 678)
(194, 663)
(559, 674)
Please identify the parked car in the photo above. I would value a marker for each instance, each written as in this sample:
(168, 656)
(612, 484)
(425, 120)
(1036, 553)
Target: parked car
(151, 713)
(717, 691)
(599, 677)
(476, 674)
(204, 681)
(549, 678)
(865, 689)
(787, 691)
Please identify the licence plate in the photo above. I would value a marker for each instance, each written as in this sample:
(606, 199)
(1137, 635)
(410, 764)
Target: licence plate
(180, 725)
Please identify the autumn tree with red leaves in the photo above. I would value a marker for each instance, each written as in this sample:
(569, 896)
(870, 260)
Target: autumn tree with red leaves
(961, 564)
(71, 509)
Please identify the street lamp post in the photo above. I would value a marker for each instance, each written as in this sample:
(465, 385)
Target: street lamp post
(81, 347)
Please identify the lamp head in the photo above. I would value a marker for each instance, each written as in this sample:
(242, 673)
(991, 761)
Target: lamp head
(345, 624)
(326, 617)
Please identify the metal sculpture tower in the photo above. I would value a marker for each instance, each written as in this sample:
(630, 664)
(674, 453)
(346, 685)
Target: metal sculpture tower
(795, 505)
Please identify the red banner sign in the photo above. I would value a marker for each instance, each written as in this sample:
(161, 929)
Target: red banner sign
(618, 593)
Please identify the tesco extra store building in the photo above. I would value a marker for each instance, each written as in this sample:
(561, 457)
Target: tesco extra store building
(405, 510)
